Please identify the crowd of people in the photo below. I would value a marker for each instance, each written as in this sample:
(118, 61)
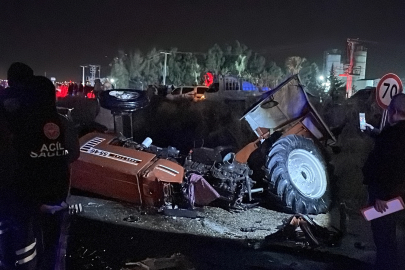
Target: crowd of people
(80, 90)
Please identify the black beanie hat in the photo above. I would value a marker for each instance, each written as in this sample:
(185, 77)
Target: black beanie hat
(19, 72)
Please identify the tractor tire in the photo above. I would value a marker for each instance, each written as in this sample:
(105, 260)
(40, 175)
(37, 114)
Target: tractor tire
(123, 100)
(298, 176)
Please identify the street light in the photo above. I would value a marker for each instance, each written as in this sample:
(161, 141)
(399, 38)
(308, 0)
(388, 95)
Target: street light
(112, 80)
(83, 67)
(164, 69)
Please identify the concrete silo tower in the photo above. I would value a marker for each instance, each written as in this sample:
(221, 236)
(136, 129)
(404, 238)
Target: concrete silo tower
(359, 62)
(332, 60)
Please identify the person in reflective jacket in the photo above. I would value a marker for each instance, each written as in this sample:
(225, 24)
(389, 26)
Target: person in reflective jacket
(17, 241)
(44, 146)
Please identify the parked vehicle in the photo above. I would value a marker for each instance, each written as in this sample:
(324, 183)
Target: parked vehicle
(194, 93)
(228, 87)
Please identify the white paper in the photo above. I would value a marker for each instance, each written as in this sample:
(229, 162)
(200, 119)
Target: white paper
(394, 205)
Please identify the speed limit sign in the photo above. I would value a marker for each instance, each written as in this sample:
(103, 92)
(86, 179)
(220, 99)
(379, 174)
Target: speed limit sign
(389, 85)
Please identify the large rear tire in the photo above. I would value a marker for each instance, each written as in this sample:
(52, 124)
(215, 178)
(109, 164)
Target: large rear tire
(298, 176)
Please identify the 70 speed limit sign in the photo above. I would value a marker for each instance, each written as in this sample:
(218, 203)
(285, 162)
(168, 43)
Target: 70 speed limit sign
(389, 85)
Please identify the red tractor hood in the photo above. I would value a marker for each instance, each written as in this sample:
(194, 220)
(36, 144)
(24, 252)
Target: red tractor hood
(119, 172)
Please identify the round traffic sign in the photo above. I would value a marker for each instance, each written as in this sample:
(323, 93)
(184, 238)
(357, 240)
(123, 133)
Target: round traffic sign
(389, 85)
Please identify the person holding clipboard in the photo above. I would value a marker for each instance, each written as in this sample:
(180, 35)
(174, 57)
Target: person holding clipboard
(384, 174)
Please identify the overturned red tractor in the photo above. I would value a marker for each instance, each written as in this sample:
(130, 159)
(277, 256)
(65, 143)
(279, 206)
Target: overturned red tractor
(295, 169)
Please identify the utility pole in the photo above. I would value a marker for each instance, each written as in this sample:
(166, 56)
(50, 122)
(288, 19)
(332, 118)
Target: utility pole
(83, 67)
(351, 46)
(93, 69)
(165, 66)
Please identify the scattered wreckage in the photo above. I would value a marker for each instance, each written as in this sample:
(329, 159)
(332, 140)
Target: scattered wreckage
(295, 169)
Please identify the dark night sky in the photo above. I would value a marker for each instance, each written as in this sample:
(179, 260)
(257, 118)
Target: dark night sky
(57, 36)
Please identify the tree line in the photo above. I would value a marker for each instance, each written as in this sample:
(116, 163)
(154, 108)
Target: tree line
(138, 70)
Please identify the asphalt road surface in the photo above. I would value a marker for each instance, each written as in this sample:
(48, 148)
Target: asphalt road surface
(109, 235)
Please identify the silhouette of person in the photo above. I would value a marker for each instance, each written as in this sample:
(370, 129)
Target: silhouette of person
(98, 87)
(42, 145)
(70, 89)
(75, 89)
(384, 173)
(80, 90)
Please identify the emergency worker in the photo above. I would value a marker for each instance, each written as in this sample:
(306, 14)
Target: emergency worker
(6, 175)
(16, 234)
(44, 146)
(52, 147)
(384, 173)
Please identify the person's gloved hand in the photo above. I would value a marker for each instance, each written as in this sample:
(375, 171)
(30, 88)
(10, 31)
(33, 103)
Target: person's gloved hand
(380, 206)
(52, 209)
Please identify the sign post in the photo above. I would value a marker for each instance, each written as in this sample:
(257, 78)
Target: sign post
(389, 85)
